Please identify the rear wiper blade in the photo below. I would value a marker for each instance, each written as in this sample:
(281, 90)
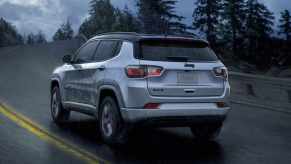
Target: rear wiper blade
(178, 58)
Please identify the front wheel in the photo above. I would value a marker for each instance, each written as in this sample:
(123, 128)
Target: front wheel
(206, 132)
(111, 125)
(58, 113)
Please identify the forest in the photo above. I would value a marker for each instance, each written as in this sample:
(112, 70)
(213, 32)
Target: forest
(238, 30)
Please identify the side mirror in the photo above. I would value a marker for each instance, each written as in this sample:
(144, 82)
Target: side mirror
(67, 59)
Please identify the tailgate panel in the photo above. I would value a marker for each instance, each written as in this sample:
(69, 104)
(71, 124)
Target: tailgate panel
(179, 81)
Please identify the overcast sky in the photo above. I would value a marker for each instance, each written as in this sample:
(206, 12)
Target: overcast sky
(47, 15)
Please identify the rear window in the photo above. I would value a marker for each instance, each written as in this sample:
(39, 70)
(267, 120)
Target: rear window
(176, 51)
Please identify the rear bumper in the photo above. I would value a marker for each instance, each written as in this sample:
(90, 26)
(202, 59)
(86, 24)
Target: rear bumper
(176, 115)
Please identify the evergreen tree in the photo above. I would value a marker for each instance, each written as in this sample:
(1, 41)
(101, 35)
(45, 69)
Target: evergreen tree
(206, 17)
(65, 32)
(125, 21)
(149, 19)
(234, 17)
(285, 25)
(87, 28)
(8, 34)
(59, 35)
(259, 20)
(258, 30)
(158, 16)
(101, 19)
(30, 39)
(40, 38)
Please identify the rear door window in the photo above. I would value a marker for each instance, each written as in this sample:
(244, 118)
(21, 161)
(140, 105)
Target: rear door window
(85, 54)
(176, 51)
(106, 50)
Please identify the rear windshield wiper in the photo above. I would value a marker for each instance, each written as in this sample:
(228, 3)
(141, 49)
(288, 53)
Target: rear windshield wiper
(178, 58)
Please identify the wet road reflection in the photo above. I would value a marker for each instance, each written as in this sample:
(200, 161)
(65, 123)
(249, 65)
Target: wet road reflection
(18, 146)
(151, 144)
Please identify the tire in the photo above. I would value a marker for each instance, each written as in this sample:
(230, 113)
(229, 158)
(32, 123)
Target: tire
(112, 128)
(58, 113)
(206, 132)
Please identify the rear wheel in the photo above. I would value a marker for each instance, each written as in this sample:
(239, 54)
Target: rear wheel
(206, 132)
(58, 113)
(112, 128)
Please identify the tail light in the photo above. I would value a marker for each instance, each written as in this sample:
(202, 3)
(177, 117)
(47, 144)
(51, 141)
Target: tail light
(135, 71)
(152, 106)
(221, 72)
(221, 104)
(143, 71)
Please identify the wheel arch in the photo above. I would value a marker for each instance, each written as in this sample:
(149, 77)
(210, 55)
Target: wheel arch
(54, 82)
(109, 90)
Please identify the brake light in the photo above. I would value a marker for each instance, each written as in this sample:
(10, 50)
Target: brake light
(152, 106)
(143, 71)
(221, 72)
(135, 72)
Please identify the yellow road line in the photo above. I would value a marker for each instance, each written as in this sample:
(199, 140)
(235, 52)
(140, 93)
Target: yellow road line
(35, 129)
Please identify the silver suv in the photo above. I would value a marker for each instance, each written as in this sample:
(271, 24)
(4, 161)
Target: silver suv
(130, 79)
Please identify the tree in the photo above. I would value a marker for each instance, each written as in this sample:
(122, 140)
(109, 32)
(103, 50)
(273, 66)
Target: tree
(30, 39)
(40, 38)
(8, 34)
(285, 25)
(258, 30)
(101, 19)
(65, 32)
(259, 20)
(234, 17)
(125, 21)
(206, 17)
(87, 28)
(158, 16)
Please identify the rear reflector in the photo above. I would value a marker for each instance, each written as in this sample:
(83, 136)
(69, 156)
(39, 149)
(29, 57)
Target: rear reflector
(152, 106)
(221, 104)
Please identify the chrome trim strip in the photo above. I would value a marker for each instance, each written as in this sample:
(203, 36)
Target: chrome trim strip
(79, 105)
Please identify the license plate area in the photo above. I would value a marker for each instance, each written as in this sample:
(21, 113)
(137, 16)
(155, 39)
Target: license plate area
(187, 77)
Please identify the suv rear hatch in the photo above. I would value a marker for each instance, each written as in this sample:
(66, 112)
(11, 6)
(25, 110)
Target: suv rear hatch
(187, 68)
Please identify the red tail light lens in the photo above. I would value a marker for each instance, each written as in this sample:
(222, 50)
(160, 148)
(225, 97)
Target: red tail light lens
(135, 72)
(221, 72)
(143, 71)
(152, 106)
(221, 104)
(153, 71)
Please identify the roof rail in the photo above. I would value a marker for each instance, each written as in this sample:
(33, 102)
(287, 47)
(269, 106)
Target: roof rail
(136, 34)
(176, 35)
(188, 35)
(118, 33)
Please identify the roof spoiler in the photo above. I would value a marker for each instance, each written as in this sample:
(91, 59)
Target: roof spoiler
(199, 42)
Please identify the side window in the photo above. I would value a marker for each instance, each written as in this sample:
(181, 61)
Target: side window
(107, 49)
(85, 54)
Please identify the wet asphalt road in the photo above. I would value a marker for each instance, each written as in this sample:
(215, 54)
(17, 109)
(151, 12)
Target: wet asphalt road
(19, 146)
(250, 135)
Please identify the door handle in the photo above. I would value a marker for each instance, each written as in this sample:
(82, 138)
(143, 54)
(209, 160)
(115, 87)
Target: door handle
(101, 68)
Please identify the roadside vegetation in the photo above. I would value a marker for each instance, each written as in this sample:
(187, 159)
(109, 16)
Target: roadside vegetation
(242, 32)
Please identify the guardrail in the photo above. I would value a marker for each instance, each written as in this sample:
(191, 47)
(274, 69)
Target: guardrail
(267, 92)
